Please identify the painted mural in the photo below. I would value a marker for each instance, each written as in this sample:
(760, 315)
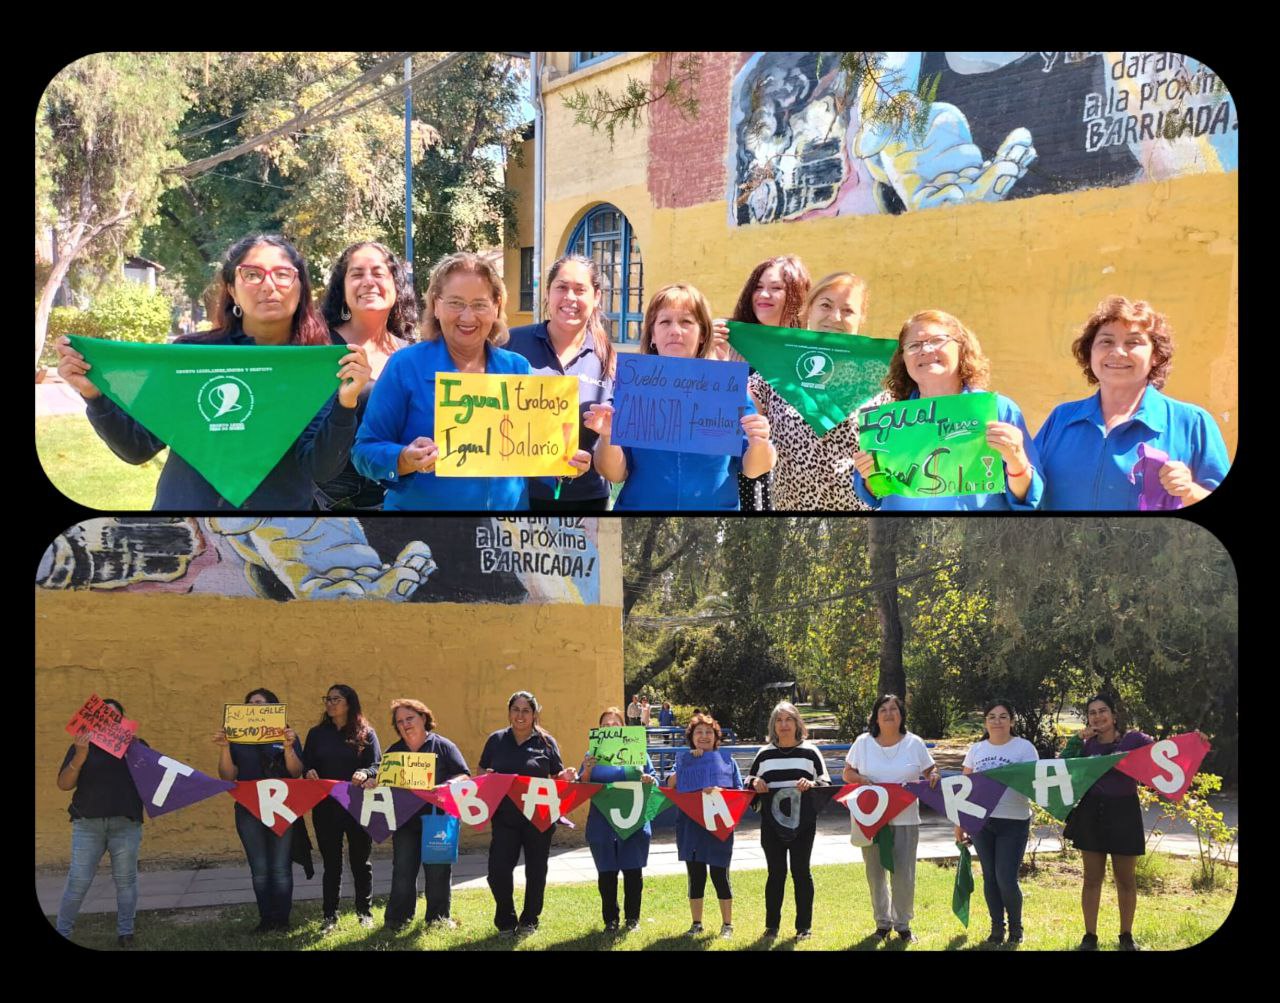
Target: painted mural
(491, 559)
(1002, 125)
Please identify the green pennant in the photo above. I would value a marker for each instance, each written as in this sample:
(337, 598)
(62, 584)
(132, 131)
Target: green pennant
(1056, 785)
(824, 376)
(617, 802)
(884, 841)
(963, 888)
(230, 411)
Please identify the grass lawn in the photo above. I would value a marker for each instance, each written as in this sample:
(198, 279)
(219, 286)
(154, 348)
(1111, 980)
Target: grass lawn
(82, 467)
(1177, 917)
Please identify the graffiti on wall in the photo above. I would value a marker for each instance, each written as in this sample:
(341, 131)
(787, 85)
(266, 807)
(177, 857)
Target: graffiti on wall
(491, 559)
(1001, 125)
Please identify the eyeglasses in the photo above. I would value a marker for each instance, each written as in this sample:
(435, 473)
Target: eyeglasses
(932, 345)
(480, 308)
(282, 277)
(997, 718)
(334, 699)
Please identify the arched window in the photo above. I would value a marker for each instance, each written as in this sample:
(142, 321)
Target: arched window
(605, 236)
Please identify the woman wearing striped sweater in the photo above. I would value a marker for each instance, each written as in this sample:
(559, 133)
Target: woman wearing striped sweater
(788, 766)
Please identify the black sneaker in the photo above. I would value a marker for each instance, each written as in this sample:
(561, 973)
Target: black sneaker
(524, 929)
(695, 929)
(908, 936)
(1089, 942)
(803, 934)
(611, 926)
(125, 942)
(633, 925)
(997, 936)
(883, 933)
(1015, 935)
(770, 933)
(1127, 943)
(329, 925)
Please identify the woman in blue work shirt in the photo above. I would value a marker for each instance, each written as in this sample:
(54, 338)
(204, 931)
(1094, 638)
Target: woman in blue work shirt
(572, 341)
(1091, 447)
(463, 326)
(611, 852)
(938, 356)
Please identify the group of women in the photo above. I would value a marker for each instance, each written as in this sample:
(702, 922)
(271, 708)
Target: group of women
(374, 445)
(106, 816)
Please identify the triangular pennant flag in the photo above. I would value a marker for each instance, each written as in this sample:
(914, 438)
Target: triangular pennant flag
(1056, 785)
(379, 810)
(165, 784)
(784, 809)
(718, 812)
(965, 800)
(872, 806)
(543, 801)
(824, 376)
(628, 805)
(473, 800)
(277, 804)
(1167, 766)
(963, 888)
(230, 411)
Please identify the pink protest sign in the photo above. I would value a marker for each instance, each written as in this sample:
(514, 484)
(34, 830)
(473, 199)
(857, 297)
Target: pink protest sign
(108, 729)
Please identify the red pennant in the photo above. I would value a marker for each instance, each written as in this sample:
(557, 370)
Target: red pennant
(543, 801)
(1167, 766)
(713, 808)
(283, 800)
(471, 799)
(876, 804)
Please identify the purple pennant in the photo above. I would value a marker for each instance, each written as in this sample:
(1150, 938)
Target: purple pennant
(1153, 497)
(165, 784)
(965, 800)
(371, 808)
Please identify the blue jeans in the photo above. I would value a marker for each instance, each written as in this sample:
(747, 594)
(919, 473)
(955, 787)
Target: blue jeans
(1000, 845)
(270, 864)
(90, 839)
(406, 860)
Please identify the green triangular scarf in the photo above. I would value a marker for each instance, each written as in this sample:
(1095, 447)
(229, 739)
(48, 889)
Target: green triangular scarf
(963, 888)
(1056, 785)
(884, 841)
(231, 411)
(619, 803)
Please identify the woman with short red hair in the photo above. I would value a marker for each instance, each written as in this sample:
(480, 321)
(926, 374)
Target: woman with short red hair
(1128, 446)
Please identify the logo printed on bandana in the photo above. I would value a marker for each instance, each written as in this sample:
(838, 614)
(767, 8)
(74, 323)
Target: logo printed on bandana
(225, 402)
(815, 369)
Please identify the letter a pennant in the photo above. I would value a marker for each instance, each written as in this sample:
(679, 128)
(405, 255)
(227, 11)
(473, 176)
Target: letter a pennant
(543, 801)
(873, 806)
(718, 812)
(278, 803)
(1167, 766)
(1056, 785)
(165, 784)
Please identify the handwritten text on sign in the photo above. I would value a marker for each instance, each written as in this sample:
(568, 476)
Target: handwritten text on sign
(618, 746)
(933, 447)
(686, 405)
(505, 425)
(254, 724)
(711, 769)
(108, 729)
(415, 770)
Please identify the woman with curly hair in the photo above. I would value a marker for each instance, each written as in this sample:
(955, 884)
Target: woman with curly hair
(369, 302)
(1128, 446)
(343, 746)
(938, 356)
(262, 296)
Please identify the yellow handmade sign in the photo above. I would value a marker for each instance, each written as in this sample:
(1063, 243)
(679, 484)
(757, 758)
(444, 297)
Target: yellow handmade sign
(415, 770)
(505, 425)
(254, 723)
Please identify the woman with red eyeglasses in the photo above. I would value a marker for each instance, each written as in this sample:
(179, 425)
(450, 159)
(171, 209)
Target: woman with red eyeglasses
(263, 297)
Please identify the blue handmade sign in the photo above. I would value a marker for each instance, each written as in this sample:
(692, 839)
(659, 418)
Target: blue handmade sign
(711, 769)
(684, 405)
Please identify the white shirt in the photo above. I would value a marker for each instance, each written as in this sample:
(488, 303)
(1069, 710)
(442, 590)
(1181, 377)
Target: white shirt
(902, 763)
(985, 756)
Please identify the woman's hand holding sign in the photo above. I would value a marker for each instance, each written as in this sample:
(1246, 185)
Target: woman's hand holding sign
(599, 418)
(72, 368)
(419, 457)
(354, 374)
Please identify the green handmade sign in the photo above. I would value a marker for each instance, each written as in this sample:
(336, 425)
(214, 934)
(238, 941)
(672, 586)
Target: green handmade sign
(230, 411)
(932, 447)
(618, 746)
(824, 376)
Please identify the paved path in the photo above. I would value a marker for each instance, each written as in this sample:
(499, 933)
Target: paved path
(56, 397)
(214, 886)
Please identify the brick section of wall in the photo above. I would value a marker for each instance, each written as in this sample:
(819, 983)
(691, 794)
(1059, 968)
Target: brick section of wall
(686, 155)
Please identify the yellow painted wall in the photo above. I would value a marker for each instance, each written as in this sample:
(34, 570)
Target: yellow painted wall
(173, 660)
(1024, 274)
(520, 181)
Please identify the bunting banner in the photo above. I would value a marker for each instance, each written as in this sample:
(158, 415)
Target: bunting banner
(473, 800)
(783, 810)
(718, 812)
(962, 890)
(277, 803)
(379, 810)
(230, 411)
(932, 447)
(543, 800)
(165, 784)
(824, 376)
(965, 800)
(681, 405)
(1166, 766)
(501, 425)
(108, 729)
(628, 805)
(873, 806)
(1056, 785)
